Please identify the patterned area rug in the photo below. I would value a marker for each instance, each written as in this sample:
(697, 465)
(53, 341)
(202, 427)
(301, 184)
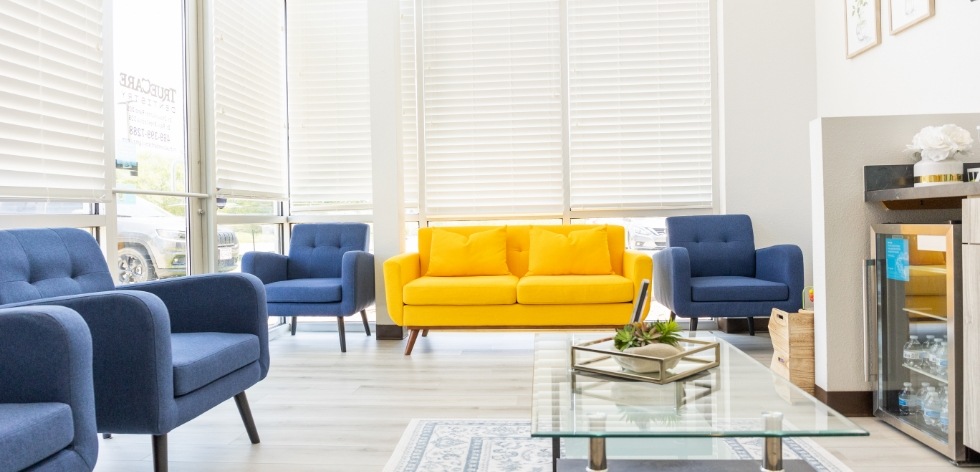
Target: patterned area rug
(441, 445)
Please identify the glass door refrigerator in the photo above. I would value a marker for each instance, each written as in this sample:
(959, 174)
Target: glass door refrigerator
(914, 333)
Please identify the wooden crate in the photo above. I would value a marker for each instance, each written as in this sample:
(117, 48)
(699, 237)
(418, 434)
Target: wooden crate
(792, 343)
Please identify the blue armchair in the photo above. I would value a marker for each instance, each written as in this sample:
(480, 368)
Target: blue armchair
(163, 351)
(47, 403)
(328, 272)
(711, 267)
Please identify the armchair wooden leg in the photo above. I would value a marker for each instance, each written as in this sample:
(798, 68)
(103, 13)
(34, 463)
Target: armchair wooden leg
(413, 334)
(751, 326)
(242, 403)
(293, 326)
(159, 453)
(343, 334)
(673, 316)
(694, 324)
(425, 333)
(367, 327)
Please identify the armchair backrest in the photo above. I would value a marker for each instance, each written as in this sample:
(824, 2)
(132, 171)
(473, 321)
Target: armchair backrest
(718, 245)
(317, 250)
(50, 262)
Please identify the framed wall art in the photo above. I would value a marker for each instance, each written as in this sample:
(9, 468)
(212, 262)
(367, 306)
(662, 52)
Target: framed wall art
(902, 14)
(862, 21)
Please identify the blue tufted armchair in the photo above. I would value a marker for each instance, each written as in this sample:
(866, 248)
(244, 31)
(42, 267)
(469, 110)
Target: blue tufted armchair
(47, 403)
(328, 272)
(163, 351)
(711, 267)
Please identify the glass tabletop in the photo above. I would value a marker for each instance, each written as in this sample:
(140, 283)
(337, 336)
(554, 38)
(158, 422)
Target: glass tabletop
(728, 400)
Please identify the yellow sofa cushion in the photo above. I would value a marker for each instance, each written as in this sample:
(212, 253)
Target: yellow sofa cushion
(574, 289)
(456, 255)
(518, 244)
(478, 290)
(582, 252)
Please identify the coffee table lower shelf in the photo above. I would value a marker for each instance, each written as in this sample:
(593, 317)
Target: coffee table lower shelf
(638, 465)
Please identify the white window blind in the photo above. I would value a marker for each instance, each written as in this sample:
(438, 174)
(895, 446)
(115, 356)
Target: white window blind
(52, 142)
(329, 105)
(639, 104)
(409, 109)
(249, 97)
(492, 105)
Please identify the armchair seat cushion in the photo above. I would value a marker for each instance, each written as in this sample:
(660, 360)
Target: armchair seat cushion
(31, 432)
(202, 358)
(317, 290)
(574, 289)
(736, 289)
(463, 291)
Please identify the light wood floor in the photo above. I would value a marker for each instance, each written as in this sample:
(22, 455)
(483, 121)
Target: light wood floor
(321, 410)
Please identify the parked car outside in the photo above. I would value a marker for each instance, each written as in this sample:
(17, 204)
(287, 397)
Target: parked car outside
(644, 237)
(152, 243)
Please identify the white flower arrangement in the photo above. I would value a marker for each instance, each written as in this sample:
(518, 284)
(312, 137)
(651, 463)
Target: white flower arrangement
(936, 143)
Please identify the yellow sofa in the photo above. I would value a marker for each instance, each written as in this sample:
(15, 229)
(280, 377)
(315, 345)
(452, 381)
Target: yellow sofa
(421, 301)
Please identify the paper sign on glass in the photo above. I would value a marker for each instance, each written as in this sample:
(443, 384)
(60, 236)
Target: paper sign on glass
(897, 259)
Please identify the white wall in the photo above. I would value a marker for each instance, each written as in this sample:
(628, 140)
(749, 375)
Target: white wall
(931, 67)
(768, 97)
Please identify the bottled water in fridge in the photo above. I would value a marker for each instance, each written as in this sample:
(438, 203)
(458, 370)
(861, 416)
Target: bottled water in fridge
(931, 406)
(912, 352)
(907, 401)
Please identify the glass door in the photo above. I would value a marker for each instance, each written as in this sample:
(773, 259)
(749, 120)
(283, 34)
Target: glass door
(918, 301)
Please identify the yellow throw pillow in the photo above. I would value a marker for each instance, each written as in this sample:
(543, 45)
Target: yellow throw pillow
(452, 254)
(582, 252)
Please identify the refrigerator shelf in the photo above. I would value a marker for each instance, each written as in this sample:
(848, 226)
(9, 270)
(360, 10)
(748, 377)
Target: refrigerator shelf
(926, 373)
(920, 312)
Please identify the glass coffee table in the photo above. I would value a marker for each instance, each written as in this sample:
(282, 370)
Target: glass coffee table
(740, 398)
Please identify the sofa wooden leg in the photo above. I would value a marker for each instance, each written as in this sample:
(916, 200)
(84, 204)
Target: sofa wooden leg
(694, 324)
(367, 327)
(413, 334)
(242, 403)
(343, 334)
(751, 326)
(673, 316)
(159, 453)
(425, 333)
(293, 326)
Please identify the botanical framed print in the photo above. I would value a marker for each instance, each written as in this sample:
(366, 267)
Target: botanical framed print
(862, 21)
(905, 13)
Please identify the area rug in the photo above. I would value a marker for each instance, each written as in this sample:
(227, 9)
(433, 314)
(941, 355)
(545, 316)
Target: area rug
(445, 445)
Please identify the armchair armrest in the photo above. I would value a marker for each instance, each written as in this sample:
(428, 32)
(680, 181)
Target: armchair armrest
(672, 279)
(46, 356)
(220, 303)
(781, 263)
(636, 267)
(267, 266)
(132, 362)
(357, 281)
(399, 271)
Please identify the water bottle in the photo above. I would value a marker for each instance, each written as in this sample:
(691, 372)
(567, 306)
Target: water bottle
(927, 348)
(944, 416)
(912, 352)
(920, 395)
(931, 405)
(906, 399)
(940, 360)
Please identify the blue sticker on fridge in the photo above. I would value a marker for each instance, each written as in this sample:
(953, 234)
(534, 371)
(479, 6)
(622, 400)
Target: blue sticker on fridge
(897, 259)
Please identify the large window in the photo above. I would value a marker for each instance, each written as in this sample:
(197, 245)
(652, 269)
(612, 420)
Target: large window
(558, 107)
(51, 93)
(329, 107)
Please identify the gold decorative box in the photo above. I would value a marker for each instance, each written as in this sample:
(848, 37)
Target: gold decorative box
(599, 356)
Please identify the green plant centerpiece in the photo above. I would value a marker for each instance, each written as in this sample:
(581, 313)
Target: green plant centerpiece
(658, 339)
